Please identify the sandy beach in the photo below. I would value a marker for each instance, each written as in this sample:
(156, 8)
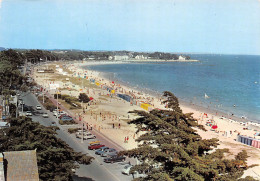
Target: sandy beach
(108, 113)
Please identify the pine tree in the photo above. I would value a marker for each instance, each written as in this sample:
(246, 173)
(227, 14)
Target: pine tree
(172, 149)
(54, 157)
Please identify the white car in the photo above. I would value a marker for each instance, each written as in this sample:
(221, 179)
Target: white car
(80, 133)
(109, 152)
(38, 107)
(45, 115)
(90, 136)
(28, 113)
(126, 171)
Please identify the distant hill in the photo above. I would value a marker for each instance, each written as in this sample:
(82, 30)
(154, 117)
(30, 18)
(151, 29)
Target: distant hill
(2, 48)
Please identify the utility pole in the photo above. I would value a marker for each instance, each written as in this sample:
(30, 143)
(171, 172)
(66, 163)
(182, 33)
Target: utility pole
(57, 104)
(82, 92)
(43, 89)
(82, 130)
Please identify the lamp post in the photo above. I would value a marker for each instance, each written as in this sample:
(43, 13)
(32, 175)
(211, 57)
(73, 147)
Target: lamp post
(82, 130)
(57, 103)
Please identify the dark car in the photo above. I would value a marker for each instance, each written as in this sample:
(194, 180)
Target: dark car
(95, 146)
(63, 115)
(100, 150)
(66, 118)
(114, 158)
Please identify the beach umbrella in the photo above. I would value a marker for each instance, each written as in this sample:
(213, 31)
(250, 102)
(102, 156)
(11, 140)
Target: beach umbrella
(91, 98)
(214, 127)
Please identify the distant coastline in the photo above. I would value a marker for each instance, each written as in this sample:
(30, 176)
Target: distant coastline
(158, 60)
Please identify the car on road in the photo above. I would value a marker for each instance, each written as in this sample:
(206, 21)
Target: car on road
(89, 136)
(45, 115)
(53, 123)
(95, 146)
(38, 107)
(100, 150)
(109, 152)
(28, 113)
(66, 118)
(61, 115)
(126, 169)
(114, 158)
(79, 133)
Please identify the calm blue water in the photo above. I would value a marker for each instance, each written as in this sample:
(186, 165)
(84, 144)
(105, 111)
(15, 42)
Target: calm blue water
(226, 79)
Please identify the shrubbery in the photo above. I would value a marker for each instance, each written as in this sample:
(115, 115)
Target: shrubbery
(73, 130)
(67, 122)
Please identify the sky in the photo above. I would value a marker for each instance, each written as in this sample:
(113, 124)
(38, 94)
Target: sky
(194, 26)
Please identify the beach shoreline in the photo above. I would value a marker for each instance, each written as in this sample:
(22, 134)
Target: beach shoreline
(183, 103)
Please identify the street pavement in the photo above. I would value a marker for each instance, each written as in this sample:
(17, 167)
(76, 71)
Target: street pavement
(97, 170)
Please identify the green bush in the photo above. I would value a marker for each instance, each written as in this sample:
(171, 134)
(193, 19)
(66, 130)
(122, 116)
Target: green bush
(73, 130)
(50, 106)
(67, 122)
(64, 96)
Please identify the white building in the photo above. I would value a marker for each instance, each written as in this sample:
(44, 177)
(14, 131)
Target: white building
(140, 57)
(182, 57)
(110, 58)
(121, 57)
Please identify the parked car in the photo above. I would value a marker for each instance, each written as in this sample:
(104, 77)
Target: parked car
(61, 115)
(114, 158)
(45, 115)
(95, 146)
(38, 107)
(55, 113)
(100, 150)
(89, 136)
(109, 152)
(28, 113)
(126, 169)
(79, 133)
(53, 124)
(66, 118)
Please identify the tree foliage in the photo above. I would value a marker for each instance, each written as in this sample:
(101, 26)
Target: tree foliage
(54, 157)
(83, 98)
(173, 150)
(10, 76)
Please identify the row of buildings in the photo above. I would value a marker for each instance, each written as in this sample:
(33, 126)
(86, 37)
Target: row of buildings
(128, 57)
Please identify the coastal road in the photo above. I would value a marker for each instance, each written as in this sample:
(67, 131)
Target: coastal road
(97, 170)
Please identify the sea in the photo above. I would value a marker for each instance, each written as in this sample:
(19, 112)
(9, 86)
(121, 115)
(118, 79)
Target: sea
(225, 83)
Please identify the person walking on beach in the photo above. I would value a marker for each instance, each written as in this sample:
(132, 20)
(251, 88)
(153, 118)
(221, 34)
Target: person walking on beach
(113, 126)
(119, 126)
(127, 138)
